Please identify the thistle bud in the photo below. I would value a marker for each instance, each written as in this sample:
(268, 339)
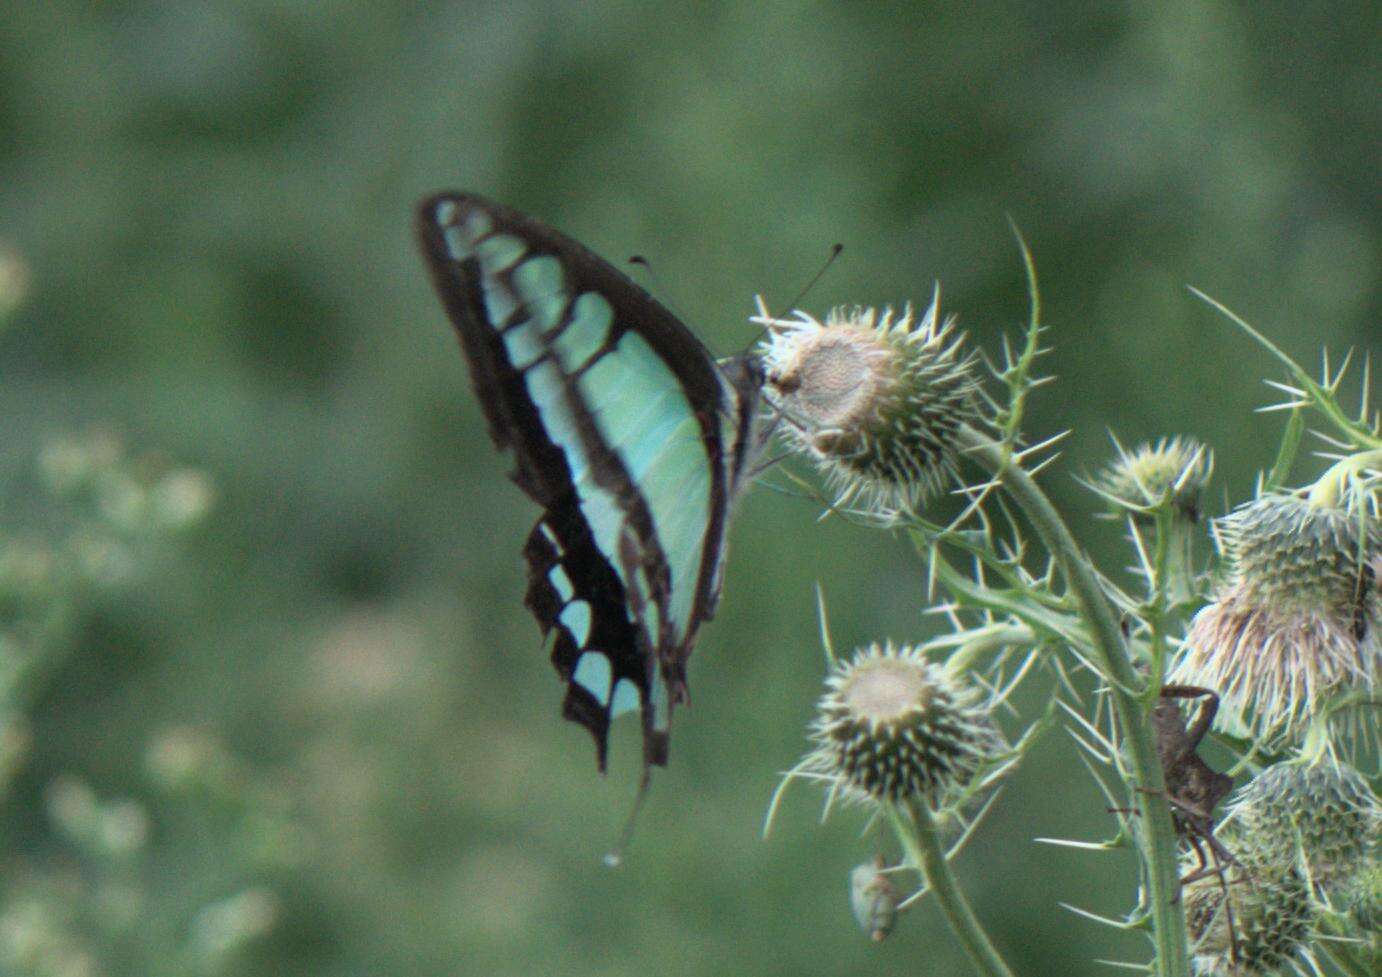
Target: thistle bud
(1288, 550)
(1272, 916)
(1326, 812)
(1298, 622)
(893, 726)
(874, 899)
(876, 400)
(1173, 471)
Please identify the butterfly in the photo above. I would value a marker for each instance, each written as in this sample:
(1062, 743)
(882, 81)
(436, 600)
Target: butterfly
(630, 436)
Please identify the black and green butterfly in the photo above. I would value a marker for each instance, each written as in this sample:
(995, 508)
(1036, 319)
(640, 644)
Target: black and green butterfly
(626, 431)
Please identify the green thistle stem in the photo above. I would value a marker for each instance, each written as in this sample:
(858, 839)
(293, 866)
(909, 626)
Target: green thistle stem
(1160, 596)
(916, 831)
(1176, 576)
(1158, 835)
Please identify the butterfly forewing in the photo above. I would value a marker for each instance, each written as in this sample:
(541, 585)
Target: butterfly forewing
(617, 417)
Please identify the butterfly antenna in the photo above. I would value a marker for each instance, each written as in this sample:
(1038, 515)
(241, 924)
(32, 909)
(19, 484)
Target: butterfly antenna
(615, 857)
(765, 316)
(835, 250)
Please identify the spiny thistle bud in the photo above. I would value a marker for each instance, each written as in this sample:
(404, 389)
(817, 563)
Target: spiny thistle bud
(1173, 470)
(1292, 551)
(893, 726)
(874, 899)
(1298, 623)
(1324, 811)
(1272, 916)
(876, 400)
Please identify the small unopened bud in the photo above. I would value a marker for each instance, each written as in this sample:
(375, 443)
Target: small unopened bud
(874, 899)
(117, 828)
(181, 757)
(876, 400)
(122, 500)
(893, 726)
(124, 827)
(73, 806)
(70, 464)
(1173, 472)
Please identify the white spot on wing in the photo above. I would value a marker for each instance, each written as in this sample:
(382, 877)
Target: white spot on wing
(625, 698)
(561, 582)
(576, 617)
(593, 673)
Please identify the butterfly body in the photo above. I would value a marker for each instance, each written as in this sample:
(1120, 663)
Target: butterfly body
(626, 432)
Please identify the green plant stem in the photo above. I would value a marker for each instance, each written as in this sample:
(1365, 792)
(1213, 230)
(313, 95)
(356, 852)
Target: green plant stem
(1158, 837)
(916, 830)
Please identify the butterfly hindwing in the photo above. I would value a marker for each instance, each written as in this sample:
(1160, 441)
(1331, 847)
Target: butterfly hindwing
(596, 649)
(623, 429)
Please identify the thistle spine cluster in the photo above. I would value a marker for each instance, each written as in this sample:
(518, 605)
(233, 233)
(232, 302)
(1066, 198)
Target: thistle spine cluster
(1290, 639)
(1171, 471)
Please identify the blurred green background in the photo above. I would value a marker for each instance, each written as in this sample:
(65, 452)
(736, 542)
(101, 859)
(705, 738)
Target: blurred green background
(313, 732)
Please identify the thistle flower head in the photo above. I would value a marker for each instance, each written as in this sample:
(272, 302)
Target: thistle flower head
(1324, 811)
(1272, 917)
(873, 398)
(1297, 625)
(1172, 471)
(894, 726)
